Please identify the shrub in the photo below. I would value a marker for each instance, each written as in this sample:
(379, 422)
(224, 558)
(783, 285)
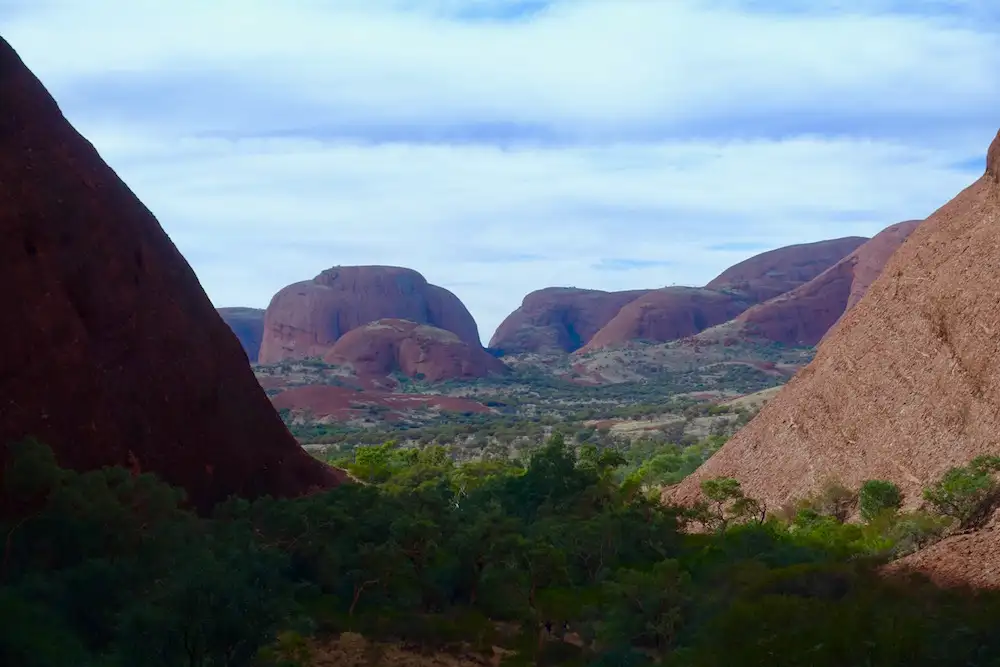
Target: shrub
(833, 500)
(967, 494)
(912, 531)
(725, 504)
(877, 496)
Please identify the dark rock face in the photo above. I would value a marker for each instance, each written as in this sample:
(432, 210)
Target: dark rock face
(776, 272)
(558, 319)
(305, 319)
(415, 350)
(248, 325)
(805, 315)
(113, 354)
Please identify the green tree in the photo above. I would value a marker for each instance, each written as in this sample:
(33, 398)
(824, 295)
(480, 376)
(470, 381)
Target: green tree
(726, 504)
(218, 607)
(645, 608)
(968, 493)
(878, 496)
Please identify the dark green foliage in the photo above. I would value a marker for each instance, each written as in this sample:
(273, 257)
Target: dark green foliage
(878, 496)
(105, 569)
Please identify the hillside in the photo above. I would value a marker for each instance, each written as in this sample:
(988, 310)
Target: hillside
(667, 314)
(907, 384)
(804, 315)
(781, 270)
(564, 320)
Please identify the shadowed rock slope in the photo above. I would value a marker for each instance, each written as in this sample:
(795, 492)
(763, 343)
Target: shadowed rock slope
(415, 350)
(113, 354)
(248, 325)
(305, 319)
(804, 315)
(906, 385)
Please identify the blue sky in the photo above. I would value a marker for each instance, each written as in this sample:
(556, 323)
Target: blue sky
(499, 147)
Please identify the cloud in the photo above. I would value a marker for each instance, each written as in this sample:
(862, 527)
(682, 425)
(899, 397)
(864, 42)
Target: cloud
(501, 147)
(623, 264)
(740, 247)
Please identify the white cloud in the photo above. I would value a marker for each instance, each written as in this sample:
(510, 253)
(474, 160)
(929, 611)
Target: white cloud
(273, 140)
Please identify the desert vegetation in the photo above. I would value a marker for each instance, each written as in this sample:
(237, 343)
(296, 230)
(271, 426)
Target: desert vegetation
(564, 558)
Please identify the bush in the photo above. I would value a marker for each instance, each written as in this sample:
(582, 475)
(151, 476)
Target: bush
(912, 531)
(877, 496)
(967, 494)
(107, 565)
(725, 504)
(833, 500)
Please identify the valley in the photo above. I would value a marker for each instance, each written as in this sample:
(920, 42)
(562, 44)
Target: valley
(795, 464)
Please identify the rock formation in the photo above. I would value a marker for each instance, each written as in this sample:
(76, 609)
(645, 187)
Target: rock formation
(970, 559)
(558, 319)
(667, 314)
(248, 325)
(561, 319)
(906, 385)
(775, 272)
(113, 354)
(804, 315)
(305, 319)
(870, 259)
(415, 350)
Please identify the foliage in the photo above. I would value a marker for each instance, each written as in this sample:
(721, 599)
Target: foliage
(968, 493)
(107, 569)
(107, 565)
(878, 496)
(725, 504)
(666, 464)
(906, 532)
(833, 500)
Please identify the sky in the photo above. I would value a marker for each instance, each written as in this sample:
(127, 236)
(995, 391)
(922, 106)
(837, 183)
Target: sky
(503, 146)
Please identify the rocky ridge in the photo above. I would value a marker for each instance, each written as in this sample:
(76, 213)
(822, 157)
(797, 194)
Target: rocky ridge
(558, 319)
(667, 314)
